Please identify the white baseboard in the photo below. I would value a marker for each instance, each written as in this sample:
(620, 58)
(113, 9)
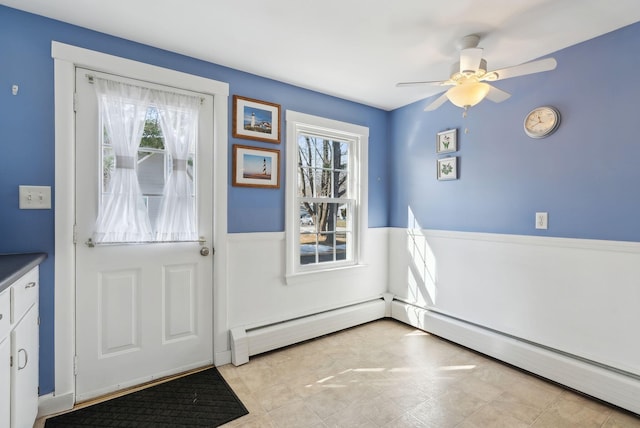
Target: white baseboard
(221, 358)
(592, 379)
(247, 342)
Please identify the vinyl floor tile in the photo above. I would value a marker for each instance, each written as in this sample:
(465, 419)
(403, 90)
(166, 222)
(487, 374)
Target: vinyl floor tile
(388, 374)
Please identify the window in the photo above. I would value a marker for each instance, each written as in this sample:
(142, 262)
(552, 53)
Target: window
(148, 137)
(326, 193)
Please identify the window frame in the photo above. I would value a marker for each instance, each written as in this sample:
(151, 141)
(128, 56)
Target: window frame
(358, 138)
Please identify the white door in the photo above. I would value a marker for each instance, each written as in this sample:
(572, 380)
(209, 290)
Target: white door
(143, 310)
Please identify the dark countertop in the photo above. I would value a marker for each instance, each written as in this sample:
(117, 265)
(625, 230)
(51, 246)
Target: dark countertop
(13, 266)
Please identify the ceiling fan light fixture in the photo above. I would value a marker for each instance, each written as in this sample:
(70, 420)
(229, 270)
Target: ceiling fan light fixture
(468, 94)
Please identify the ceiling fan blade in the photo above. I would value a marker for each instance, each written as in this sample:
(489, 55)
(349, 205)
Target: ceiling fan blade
(427, 83)
(526, 68)
(437, 103)
(497, 95)
(470, 59)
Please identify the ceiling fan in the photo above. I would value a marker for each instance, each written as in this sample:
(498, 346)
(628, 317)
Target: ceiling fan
(469, 76)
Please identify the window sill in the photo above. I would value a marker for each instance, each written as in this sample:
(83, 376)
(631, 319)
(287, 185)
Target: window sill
(324, 274)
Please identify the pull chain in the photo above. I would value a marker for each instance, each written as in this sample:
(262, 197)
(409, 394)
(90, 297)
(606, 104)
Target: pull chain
(464, 116)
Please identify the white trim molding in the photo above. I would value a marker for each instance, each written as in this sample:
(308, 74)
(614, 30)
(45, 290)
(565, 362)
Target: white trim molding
(358, 138)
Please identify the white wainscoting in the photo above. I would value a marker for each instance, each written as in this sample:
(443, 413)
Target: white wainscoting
(258, 295)
(576, 298)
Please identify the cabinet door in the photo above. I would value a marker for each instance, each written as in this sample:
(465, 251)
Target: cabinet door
(5, 376)
(24, 371)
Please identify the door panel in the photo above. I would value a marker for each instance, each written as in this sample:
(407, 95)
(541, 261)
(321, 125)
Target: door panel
(143, 310)
(118, 311)
(180, 298)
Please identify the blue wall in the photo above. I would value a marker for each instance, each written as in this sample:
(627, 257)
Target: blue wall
(586, 175)
(27, 141)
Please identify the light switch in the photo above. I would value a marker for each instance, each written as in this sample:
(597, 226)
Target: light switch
(541, 220)
(35, 197)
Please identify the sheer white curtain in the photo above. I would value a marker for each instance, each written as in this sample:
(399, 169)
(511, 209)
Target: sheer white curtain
(179, 123)
(123, 215)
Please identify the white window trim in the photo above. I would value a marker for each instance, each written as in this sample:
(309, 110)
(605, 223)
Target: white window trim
(359, 135)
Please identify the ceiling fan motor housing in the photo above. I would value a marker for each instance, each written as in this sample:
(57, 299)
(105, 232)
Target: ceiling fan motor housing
(457, 74)
(470, 41)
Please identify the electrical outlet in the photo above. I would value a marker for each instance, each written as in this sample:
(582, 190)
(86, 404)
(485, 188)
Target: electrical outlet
(34, 197)
(542, 220)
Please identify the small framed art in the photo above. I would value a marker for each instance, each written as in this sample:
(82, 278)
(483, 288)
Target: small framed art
(447, 141)
(256, 120)
(448, 168)
(256, 167)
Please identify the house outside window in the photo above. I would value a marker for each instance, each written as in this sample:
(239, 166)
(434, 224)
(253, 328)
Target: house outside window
(326, 194)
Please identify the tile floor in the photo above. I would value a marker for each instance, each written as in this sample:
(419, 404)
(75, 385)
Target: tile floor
(387, 374)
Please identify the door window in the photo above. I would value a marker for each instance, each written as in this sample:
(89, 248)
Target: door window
(148, 157)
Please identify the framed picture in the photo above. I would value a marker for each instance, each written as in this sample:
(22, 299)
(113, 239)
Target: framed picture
(448, 168)
(256, 167)
(256, 120)
(446, 141)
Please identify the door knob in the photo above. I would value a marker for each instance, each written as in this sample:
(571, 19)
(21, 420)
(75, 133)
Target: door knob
(204, 251)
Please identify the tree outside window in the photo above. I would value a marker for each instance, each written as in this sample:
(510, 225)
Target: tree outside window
(323, 191)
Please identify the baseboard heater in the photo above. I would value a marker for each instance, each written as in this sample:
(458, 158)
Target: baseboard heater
(253, 341)
(607, 384)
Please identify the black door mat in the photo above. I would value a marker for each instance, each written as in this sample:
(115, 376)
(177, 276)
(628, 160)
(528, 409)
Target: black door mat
(202, 399)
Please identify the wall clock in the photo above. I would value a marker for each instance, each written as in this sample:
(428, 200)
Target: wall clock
(541, 122)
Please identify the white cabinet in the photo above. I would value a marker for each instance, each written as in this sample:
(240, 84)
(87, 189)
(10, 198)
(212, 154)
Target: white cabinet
(24, 371)
(5, 383)
(19, 348)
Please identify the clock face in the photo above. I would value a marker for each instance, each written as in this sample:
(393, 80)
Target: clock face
(541, 122)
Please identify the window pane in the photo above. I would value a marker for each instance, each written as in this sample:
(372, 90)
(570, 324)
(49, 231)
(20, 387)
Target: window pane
(307, 218)
(308, 248)
(307, 151)
(340, 166)
(341, 245)
(340, 184)
(322, 179)
(152, 168)
(152, 134)
(326, 247)
(320, 152)
(305, 183)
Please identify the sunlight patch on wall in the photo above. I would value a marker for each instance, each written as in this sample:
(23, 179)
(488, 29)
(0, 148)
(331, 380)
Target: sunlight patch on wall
(421, 275)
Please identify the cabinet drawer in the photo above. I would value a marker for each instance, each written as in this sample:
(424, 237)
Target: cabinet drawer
(5, 308)
(24, 293)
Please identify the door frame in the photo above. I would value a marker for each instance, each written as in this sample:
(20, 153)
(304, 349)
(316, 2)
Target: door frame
(66, 59)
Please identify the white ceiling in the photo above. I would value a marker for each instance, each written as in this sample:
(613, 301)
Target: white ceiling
(353, 49)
